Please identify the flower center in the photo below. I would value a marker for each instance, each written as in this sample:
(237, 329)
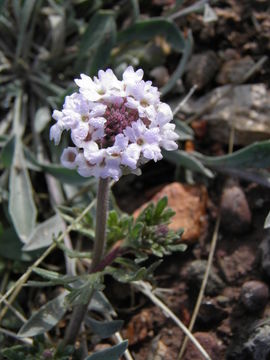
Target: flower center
(118, 118)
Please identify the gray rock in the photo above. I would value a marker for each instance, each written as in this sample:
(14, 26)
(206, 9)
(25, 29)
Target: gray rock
(195, 273)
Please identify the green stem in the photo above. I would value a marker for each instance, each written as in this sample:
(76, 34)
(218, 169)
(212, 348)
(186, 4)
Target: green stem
(80, 311)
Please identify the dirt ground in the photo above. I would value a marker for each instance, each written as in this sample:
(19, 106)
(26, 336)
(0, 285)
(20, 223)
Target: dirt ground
(233, 320)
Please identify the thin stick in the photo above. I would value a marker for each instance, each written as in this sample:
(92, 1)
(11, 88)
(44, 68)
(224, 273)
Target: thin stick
(27, 341)
(202, 290)
(186, 98)
(147, 290)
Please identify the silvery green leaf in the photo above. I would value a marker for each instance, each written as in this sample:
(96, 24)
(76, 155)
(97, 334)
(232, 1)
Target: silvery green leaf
(21, 207)
(104, 329)
(45, 318)
(267, 221)
(44, 233)
(42, 118)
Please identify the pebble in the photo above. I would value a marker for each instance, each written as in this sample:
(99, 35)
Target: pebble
(201, 69)
(233, 71)
(254, 295)
(235, 211)
(210, 312)
(195, 273)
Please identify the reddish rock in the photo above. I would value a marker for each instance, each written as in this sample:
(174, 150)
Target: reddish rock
(209, 342)
(235, 212)
(189, 203)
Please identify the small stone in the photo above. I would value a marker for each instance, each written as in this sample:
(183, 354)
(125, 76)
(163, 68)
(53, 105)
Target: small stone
(210, 312)
(189, 203)
(160, 75)
(201, 69)
(235, 212)
(254, 295)
(209, 342)
(195, 273)
(233, 71)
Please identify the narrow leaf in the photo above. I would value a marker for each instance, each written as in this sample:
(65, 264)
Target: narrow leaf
(104, 329)
(188, 161)
(255, 155)
(21, 204)
(188, 44)
(146, 30)
(113, 353)
(267, 221)
(45, 318)
(42, 118)
(44, 233)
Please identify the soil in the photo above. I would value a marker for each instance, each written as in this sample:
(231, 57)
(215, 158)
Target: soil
(232, 321)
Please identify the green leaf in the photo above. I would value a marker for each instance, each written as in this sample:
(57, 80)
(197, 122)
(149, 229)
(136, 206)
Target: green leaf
(160, 206)
(8, 152)
(65, 175)
(267, 221)
(45, 318)
(187, 160)
(188, 44)
(255, 155)
(11, 246)
(146, 30)
(16, 352)
(97, 42)
(137, 230)
(42, 235)
(177, 247)
(113, 353)
(104, 329)
(22, 208)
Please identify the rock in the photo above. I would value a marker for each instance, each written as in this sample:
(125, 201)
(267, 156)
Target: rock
(195, 272)
(244, 107)
(235, 212)
(209, 342)
(201, 69)
(257, 347)
(233, 71)
(254, 295)
(189, 203)
(210, 312)
(160, 75)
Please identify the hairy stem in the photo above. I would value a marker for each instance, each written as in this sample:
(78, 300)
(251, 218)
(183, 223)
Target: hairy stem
(79, 311)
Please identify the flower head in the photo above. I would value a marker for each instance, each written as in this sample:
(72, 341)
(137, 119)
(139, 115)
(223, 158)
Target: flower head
(115, 125)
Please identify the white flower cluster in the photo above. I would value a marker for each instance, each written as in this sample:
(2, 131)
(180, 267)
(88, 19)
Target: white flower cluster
(115, 125)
